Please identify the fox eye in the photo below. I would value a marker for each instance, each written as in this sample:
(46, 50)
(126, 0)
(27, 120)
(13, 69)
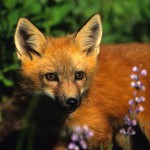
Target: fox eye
(51, 77)
(79, 75)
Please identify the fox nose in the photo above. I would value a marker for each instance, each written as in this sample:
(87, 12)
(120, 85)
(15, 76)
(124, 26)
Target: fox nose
(72, 103)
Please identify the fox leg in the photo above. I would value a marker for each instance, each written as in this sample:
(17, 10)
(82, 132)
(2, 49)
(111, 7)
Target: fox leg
(123, 142)
(102, 138)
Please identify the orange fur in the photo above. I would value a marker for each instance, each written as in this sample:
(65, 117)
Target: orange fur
(106, 102)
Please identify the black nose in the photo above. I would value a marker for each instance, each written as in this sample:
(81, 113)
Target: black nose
(72, 103)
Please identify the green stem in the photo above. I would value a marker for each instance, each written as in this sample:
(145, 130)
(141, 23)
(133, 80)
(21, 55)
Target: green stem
(126, 143)
(21, 138)
(30, 110)
(30, 139)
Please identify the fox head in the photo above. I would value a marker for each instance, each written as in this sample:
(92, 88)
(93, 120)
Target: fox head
(60, 68)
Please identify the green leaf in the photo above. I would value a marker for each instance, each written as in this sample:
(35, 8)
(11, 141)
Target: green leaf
(32, 7)
(9, 3)
(8, 83)
(5, 81)
(13, 17)
(55, 15)
(11, 68)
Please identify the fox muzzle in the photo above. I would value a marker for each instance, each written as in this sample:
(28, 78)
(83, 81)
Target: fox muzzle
(70, 104)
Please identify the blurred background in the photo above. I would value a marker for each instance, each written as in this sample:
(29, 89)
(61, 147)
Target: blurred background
(123, 21)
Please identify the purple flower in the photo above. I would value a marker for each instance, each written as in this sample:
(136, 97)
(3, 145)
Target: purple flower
(74, 137)
(130, 119)
(80, 137)
(130, 111)
(139, 99)
(134, 77)
(133, 84)
(135, 69)
(139, 109)
(136, 99)
(122, 131)
(131, 102)
(89, 134)
(144, 72)
(77, 129)
(87, 131)
(127, 120)
(83, 144)
(71, 146)
(139, 84)
(127, 132)
(130, 131)
(134, 122)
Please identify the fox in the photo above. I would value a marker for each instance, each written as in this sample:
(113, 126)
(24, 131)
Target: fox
(79, 81)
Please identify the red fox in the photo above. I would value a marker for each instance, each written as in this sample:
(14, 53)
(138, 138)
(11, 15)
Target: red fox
(84, 83)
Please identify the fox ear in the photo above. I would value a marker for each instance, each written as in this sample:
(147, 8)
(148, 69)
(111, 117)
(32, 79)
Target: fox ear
(89, 36)
(29, 40)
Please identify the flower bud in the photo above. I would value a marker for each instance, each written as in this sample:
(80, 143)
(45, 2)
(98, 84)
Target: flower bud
(135, 69)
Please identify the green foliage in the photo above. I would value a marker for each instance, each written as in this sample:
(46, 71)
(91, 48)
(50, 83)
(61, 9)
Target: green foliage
(123, 21)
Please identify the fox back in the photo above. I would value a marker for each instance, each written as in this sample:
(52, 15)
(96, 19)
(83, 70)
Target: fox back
(85, 83)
